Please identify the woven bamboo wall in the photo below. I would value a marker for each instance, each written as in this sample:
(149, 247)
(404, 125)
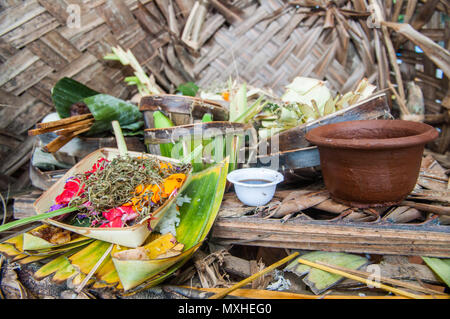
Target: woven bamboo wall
(266, 43)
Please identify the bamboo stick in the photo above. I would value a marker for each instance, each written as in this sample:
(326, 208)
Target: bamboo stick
(94, 269)
(253, 277)
(64, 121)
(385, 279)
(269, 294)
(359, 279)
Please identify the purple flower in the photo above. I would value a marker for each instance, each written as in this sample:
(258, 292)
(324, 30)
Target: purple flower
(81, 216)
(56, 207)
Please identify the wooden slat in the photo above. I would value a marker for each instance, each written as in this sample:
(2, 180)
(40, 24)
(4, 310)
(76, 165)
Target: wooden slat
(16, 64)
(349, 237)
(47, 54)
(32, 75)
(18, 15)
(31, 30)
(61, 45)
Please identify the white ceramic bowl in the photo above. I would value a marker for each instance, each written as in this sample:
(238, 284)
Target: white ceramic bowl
(249, 187)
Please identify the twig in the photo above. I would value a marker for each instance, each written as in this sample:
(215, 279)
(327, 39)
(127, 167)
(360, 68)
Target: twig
(253, 277)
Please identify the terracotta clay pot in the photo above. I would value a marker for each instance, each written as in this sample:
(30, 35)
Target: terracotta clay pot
(371, 163)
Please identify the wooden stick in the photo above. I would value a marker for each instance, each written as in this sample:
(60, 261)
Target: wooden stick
(384, 279)
(253, 277)
(94, 269)
(59, 142)
(359, 279)
(39, 131)
(64, 121)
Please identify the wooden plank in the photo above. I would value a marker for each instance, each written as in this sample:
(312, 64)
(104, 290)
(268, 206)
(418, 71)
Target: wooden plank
(17, 158)
(87, 39)
(90, 19)
(346, 237)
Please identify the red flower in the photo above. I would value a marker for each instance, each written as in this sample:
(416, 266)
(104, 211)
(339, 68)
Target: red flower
(71, 188)
(73, 185)
(118, 216)
(117, 223)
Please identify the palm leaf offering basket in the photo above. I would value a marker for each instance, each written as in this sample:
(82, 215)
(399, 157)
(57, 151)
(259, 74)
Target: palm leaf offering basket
(132, 236)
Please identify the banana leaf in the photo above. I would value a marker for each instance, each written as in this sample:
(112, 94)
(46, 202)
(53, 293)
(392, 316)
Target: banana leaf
(75, 262)
(32, 242)
(441, 267)
(206, 191)
(105, 108)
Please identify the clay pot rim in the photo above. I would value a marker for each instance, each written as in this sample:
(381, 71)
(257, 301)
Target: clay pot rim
(315, 136)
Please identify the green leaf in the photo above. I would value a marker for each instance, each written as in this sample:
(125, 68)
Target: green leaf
(441, 267)
(106, 108)
(67, 92)
(162, 121)
(36, 218)
(319, 280)
(188, 89)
